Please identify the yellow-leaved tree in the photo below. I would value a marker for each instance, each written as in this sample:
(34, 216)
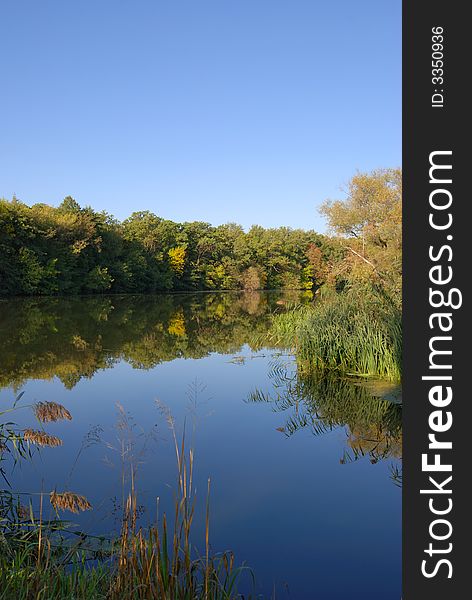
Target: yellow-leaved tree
(369, 223)
(177, 260)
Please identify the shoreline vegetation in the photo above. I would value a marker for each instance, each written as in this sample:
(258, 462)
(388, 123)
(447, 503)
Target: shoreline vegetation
(46, 558)
(348, 334)
(352, 328)
(70, 250)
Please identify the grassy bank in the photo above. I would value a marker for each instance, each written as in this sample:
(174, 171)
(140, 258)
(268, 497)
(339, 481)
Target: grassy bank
(349, 332)
(40, 564)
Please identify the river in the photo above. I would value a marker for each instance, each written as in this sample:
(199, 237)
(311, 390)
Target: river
(304, 473)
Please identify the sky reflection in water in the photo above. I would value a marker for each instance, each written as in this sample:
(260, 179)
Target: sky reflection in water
(297, 508)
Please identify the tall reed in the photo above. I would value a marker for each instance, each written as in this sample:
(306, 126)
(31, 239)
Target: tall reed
(41, 560)
(344, 332)
(161, 561)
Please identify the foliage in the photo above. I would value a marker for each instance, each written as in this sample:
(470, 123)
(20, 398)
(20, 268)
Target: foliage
(73, 250)
(177, 260)
(369, 222)
(252, 280)
(354, 326)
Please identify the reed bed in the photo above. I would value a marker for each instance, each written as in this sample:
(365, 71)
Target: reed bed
(344, 332)
(161, 561)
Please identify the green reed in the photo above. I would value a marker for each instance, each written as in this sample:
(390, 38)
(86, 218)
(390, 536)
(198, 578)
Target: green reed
(345, 332)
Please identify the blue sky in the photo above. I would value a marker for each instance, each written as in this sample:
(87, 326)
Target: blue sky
(253, 111)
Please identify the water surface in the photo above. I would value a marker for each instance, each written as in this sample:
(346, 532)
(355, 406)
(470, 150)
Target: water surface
(304, 472)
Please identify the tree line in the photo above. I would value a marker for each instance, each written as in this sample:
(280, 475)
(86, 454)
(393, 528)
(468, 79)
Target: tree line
(65, 250)
(46, 250)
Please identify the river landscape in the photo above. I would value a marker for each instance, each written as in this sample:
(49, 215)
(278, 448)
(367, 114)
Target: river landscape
(201, 343)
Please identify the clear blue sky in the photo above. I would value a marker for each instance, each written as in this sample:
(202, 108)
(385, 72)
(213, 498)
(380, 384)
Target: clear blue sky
(252, 111)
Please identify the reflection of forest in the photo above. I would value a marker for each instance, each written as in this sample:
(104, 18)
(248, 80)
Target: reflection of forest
(71, 338)
(373, 421)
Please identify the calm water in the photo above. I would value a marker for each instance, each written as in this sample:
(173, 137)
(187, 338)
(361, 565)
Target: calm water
(303, 472)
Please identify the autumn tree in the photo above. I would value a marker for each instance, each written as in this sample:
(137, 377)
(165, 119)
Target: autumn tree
(177, 260)
(253, 279)
(369, 223)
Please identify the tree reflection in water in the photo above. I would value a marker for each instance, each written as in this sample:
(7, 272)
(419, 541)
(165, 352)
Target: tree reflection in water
(369, 411)
(73, 338)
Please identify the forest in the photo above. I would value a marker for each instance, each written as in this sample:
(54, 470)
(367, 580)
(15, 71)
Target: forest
(68, 249)
(71, 250)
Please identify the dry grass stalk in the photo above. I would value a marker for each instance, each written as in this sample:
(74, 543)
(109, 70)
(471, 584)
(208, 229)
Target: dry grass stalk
(51, 411)
(40, 438)
(69, 501)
